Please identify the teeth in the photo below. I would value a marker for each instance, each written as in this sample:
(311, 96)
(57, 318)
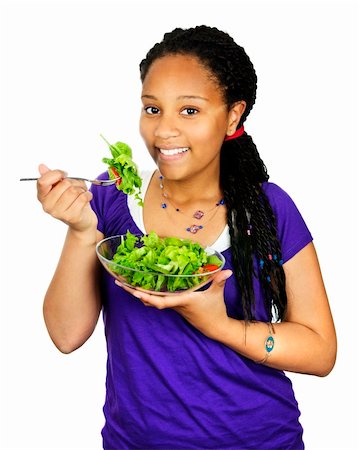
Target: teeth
(173, 151)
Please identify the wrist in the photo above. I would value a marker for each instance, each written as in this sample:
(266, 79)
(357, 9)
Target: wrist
(86, 238)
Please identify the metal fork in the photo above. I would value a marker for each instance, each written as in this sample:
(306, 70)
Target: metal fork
(95, 181)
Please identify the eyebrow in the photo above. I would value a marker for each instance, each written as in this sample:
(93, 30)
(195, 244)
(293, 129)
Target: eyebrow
(181, 97)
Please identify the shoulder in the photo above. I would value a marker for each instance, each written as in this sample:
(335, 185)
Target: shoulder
(116, 211)
(108, 203)
(279, 199)
(274, 191)
(293, 232)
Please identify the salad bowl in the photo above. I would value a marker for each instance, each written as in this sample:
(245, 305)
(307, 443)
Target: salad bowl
(161, 266)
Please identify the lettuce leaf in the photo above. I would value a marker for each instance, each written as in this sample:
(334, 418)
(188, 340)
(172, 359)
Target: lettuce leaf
(121, 164)
(161, 257)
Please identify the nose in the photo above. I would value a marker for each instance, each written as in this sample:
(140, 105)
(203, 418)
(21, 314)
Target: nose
(166, 127)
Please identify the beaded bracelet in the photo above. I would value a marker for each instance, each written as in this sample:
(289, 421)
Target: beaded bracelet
(269, 344)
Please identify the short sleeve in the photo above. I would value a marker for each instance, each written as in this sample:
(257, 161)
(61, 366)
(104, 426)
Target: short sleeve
(110, 206)
(293, 232)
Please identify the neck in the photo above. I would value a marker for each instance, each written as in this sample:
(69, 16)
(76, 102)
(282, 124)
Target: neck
(193, 190)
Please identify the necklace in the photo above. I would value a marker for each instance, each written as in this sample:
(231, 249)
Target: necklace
(198, 214)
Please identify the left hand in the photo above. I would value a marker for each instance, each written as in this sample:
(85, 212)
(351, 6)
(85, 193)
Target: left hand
(205, 310)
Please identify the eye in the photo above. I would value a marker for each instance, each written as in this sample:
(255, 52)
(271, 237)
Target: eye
(189, 111)
(151, 110)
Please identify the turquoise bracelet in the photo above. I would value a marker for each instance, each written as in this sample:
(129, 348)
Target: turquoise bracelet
(269, 344)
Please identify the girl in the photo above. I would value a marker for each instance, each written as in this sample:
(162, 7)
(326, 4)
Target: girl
(199, 370)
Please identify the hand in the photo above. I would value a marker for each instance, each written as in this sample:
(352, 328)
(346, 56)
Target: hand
(66, 200)
(205, 310)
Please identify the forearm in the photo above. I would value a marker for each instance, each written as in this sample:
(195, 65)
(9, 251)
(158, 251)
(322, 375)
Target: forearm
(297, 348)
(72, 303)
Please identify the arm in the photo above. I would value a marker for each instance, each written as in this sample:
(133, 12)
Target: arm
(305, 342)
(72, 303)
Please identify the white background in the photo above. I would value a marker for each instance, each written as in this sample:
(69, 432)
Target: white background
(69, 71)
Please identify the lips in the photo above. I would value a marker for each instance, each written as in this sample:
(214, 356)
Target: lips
(173, 151)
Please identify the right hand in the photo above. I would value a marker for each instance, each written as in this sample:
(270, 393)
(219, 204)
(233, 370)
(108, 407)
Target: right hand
(66, 200)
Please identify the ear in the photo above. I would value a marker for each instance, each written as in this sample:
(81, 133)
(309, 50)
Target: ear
(235, 113)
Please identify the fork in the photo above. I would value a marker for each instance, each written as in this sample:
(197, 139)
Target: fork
(95, 181)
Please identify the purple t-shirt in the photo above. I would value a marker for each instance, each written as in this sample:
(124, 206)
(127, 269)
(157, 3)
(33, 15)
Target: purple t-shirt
(170, 387)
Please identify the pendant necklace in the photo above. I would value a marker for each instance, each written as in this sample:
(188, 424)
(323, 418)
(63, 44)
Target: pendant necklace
(198, 214)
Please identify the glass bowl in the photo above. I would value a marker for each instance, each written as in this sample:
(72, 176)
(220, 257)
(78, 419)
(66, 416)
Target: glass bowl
(154, 281)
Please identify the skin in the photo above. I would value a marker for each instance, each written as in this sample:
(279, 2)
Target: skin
(174, 88)
(72, 303)
(185, 111)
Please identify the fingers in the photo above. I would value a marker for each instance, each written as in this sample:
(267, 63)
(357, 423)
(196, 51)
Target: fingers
(43, 169)
(62, 198)
(157, 301)
(220, 278)
(71, 204)
(179, 300)
(59, 196)
(48, 179)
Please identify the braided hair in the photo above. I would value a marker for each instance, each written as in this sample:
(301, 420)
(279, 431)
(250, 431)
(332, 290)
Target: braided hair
(252, 224)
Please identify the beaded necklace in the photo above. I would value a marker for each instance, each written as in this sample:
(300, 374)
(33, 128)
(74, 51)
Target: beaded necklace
(198, 214)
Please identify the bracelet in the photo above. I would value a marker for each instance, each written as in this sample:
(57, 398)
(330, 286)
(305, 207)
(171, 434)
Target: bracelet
(269, 344)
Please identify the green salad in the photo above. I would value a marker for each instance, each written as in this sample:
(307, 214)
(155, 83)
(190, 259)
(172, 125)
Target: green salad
(121, 165)
(162, 257)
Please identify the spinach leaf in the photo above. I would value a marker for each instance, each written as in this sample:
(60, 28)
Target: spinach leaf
(122, 165)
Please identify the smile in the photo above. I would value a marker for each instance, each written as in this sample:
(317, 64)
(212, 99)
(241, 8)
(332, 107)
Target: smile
(173, 151)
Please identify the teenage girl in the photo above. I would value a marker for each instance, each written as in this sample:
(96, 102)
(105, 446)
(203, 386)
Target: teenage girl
(206, 369)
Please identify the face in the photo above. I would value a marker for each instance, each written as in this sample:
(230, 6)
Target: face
(184, 118)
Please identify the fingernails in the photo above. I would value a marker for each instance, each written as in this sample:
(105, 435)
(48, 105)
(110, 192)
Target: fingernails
(228, 274)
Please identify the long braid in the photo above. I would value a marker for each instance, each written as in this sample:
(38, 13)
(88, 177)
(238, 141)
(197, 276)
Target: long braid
(251, 221)
(253, 233)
